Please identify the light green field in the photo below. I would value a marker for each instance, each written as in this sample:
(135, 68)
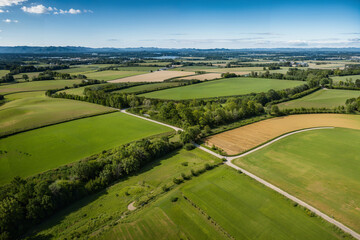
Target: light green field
(19, 77)
(36, 86)
(80, 90)
(147, 87)
(343, 78)
(223, 87)
(3, 72)
(154, 62)
(112, 75)
(323, 98)
(32, 112)
(100, 210)
(21, 95)
(38, 150)
(248, 210)
(320, 167)
(195, 68)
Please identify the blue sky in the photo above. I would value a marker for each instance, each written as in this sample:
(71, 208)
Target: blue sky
(180, 23)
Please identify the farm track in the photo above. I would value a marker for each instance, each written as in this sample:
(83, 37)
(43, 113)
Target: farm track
(262, 181)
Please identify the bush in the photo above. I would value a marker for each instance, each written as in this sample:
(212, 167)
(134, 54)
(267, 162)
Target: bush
(189, 146)
(177, 181)
(165, 188)
(174, 199)
(185, 164)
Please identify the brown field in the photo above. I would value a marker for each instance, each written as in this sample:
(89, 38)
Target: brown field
(157, 76)
(202, 77)
(247, 137)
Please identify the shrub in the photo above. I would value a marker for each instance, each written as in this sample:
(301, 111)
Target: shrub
(174, 199)
(185, 164)
(189, 146)
(177, 181)
(165, 188)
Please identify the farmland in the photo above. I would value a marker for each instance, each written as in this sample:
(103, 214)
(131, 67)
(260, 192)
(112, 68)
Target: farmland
(223, 87)
(320, 167)
(31, 112)
(111, 74)
(157, 76)
(322, 99)
(38, 150)
(202, 77)
(249, 136)
(36, 86)
(344, 78)
(148, 87)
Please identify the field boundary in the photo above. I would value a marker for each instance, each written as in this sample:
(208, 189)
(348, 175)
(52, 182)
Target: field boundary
(267, 184)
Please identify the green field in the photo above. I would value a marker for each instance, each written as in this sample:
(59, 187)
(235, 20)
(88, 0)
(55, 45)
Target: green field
(223, 87)
(36, 86)
(31, 112)
(21, 95)
(343, 78)
(112, 75)
(3, 72)
(97, 211)
(147, 87)
(38, 150)
(323, 98)
(320, 167)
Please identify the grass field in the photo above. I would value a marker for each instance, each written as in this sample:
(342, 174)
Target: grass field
(111, 74)
(157, 76)
(21, 95)
(100, 210)
(320, 167)
(31, 112)
(247, 137)
(323, 98)
(248, 210)
(223, 87)
(343, 78)
(38, 150)
(147, 87)
(3, 72)
(36, 86)
(202, 77)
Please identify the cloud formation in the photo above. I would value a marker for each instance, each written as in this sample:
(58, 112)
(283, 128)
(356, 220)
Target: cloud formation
(38, 9)
(7, 3)
(10, 21)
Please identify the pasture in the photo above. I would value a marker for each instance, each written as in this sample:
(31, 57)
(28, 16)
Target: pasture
(36, 86)
(247, 210)
(344, 78)
(148, 87)
(203, 77)
(97, 211)
(223, 87)
(157, 76)
(320, 167)
(325, 98)
(28, 112)
(111, 74)
(31, 152)
(3, 72)
(249, 136)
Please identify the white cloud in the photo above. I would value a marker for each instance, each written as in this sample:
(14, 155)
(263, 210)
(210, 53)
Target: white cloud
(6, 3)
(70, 11)
(10, 21)
(38, 9)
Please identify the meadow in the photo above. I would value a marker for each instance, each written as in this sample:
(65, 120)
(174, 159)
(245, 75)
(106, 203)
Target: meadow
(223, 87)
(202, 77)
(31, 152)
(112, 74)
(325, 98)
(249, 136)
(157, 76)
(344, 78)
(147, 87)
(28, 112)
(36, 86)
(98, 212)
(320, 167)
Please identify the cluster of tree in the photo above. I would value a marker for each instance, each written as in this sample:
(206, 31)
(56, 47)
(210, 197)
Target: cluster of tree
(7, 78)
(229, 75)
(348, 83)
(353, 105)
(352, 69)
(270, 66)
(16, 69)
(25, 202)
(83, 83)
(50, 75)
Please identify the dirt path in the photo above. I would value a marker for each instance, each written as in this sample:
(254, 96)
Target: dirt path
(262, 181)
(131, 206)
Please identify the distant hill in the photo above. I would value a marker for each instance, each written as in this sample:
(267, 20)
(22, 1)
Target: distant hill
(73, 49)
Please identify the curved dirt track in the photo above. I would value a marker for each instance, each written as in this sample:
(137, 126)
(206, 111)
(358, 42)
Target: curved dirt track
(267, 184)
(247, 137)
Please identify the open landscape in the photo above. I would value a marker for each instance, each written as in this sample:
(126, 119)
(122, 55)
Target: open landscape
(179, 120)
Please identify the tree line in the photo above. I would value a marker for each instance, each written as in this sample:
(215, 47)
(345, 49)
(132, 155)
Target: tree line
(26, 202)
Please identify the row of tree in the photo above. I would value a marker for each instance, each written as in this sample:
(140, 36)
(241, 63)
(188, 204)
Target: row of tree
(50, 75)
(25, 202)
(16, 69)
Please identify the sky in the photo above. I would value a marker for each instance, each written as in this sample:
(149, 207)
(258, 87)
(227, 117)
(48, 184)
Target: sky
(181, 23)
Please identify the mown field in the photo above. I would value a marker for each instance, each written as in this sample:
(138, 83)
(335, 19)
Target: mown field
(247, 137)
(38, 150)
(323, 98)
(30, 112)
(36, 86)
(112, 75)
(344, 78)
(157, 76)
(320, 167)
(147, 87)
(223, 87)
(95, 212)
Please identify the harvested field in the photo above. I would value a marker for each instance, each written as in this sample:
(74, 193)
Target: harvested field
(158, 76)
(202, 77)
(249, 136)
